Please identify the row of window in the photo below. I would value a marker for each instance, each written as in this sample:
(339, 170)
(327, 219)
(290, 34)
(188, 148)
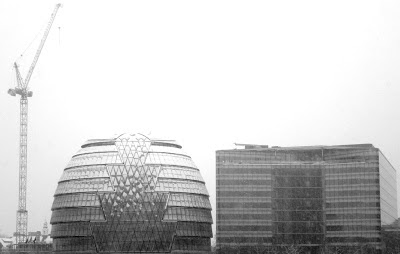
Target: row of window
(243, 239)
(297, 170)
(351, 234)
(343, 169)
(114, 158)
(244, 193)
(243, 205)
(244, 228)
(352, 204)
(242, 188)
(242, 216)
(139, 229)
(294, 217)
(91, 199)
(352, 240)
(308, 170)
(348, 193)
(351, 154)
(170, 159)
(350, 175)
(76, 200)
(298, 181)
(74, 244)
(135, 228)
(189, 200)
(297, 228)
(91, 171)
(265, 177)
(352, 216)
(364, 198)
(192, 244)
(353, 181)
(164, 185)
(297, 204)
(87, 185)
(181, 173)
(269, 156)
(283, 238)
(298, 216)
(310, 155)
(312, 193)
(244, 181)
(198, 229)
(94, 159)
(363, 187)
(98, 171)
(188, 214)
(305, 170)
(71, 229)
(102, 184)
(243, 170)
(353, 228)
(370, 222)
(77, 214)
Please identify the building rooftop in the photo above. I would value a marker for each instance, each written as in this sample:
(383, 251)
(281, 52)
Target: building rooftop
(111, 141)
(240, 146)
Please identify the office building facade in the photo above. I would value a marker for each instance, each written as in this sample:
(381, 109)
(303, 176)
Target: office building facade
(309, 197)
(131, 194)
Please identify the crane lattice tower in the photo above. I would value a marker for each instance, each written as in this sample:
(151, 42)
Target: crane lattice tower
(23, 91)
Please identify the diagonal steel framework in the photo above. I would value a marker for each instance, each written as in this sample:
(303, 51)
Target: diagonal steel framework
(134, 211)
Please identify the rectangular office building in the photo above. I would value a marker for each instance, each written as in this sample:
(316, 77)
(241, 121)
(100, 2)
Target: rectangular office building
(313, 197)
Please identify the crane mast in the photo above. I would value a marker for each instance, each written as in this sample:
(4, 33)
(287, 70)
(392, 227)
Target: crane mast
(23, 91)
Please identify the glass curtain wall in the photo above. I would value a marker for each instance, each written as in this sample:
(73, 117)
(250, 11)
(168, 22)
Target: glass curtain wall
(312, 197)
(131, 195)
(352, 198)
(297, 203)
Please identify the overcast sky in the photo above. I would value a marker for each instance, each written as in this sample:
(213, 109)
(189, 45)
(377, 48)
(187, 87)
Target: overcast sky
(206, 73)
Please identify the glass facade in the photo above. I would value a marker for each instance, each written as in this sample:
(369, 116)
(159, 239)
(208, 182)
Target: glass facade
(131, 195)
(310, 197)
(297, 205)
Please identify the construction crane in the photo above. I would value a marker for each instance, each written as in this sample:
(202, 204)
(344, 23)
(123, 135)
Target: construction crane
(23, 90)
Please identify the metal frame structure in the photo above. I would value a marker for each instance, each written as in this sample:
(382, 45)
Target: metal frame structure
(23, 91)
(131, 194)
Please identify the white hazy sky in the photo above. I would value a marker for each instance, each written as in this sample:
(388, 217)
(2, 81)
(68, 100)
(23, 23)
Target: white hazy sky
(206, 73)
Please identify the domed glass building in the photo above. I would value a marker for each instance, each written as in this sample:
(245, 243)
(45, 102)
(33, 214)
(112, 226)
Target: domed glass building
(131, 194)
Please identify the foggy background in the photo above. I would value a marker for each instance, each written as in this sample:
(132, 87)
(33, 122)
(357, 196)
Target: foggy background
(205, 73)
